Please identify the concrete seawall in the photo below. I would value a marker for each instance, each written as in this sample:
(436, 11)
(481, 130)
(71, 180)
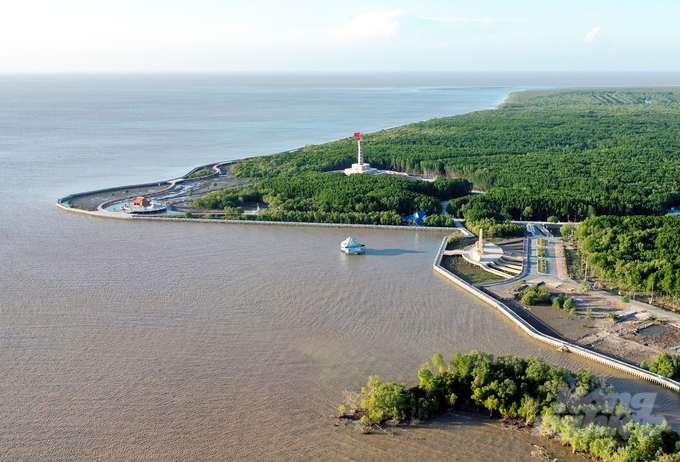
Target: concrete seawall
(122, 216)
(62, 204)
(558, 344)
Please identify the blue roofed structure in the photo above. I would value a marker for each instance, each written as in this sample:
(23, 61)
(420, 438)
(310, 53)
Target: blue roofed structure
(417, 217)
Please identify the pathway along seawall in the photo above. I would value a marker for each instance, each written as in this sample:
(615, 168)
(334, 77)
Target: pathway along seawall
(122, 216)
(63, 202)
(559, 344)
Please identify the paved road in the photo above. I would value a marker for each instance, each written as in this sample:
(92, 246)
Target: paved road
(552, 278)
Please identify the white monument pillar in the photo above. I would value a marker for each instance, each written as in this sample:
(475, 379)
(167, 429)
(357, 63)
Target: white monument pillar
(361, 152)
(360, 166)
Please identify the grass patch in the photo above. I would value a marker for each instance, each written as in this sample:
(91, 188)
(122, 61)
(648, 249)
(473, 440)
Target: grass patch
(573, 260)
(542, 266)
(471, 274)
(204, 172)
(461, 243)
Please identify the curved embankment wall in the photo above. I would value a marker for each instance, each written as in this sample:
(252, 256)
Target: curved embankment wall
(170, 183)
(563, 346)
(62, 201)
(121, 216)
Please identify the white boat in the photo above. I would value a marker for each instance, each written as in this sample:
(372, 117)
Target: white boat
(352, 246)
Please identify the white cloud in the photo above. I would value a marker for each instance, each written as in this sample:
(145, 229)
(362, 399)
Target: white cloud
(485, 21)
(594, 34)
(370, 25)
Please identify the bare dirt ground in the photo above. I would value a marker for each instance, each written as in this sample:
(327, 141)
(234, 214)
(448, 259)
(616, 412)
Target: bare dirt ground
(620, 339)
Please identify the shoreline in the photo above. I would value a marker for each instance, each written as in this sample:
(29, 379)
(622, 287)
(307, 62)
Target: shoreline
(252, 222)
(172, 183)
(63, 203)
(560, 345)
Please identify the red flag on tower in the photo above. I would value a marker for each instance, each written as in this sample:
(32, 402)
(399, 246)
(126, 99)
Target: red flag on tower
(357, 134)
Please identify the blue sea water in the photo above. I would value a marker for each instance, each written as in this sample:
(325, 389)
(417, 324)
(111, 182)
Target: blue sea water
(61, 134)
(65, 133)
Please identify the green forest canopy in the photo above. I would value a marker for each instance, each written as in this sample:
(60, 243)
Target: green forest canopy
(337, 198)
(564, 153)
(637, 252)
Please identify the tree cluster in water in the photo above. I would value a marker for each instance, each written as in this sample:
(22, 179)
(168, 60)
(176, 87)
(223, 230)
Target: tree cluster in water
(571, 406)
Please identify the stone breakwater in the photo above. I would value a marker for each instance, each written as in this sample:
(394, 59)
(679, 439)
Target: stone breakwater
(558, 344)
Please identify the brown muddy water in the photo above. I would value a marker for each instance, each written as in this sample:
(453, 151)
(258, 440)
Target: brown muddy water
(179, 341)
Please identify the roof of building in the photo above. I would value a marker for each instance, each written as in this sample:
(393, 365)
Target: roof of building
(141, 201)
(350, 242)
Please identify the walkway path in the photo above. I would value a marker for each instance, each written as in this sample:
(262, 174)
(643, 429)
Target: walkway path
(555, 277)
(561, 345)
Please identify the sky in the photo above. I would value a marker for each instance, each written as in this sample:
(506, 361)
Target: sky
(337, 36)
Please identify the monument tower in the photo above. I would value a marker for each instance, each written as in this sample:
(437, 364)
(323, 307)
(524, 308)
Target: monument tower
(360, 166)
(361, 152)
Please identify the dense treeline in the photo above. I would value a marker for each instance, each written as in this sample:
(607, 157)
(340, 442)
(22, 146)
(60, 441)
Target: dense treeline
(320, 197)
(569, 153)
(636, 252)
(573, 408)
(517, 204)
(353, 218)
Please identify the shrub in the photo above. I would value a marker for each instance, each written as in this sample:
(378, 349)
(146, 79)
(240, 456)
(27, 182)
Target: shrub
(568, 304)
(454, 237)
(523, 388)
(533, 295)
(625, 299)
(612, 316)
(553, 219)
(445, 220)
(232, 212)
(667, 365)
